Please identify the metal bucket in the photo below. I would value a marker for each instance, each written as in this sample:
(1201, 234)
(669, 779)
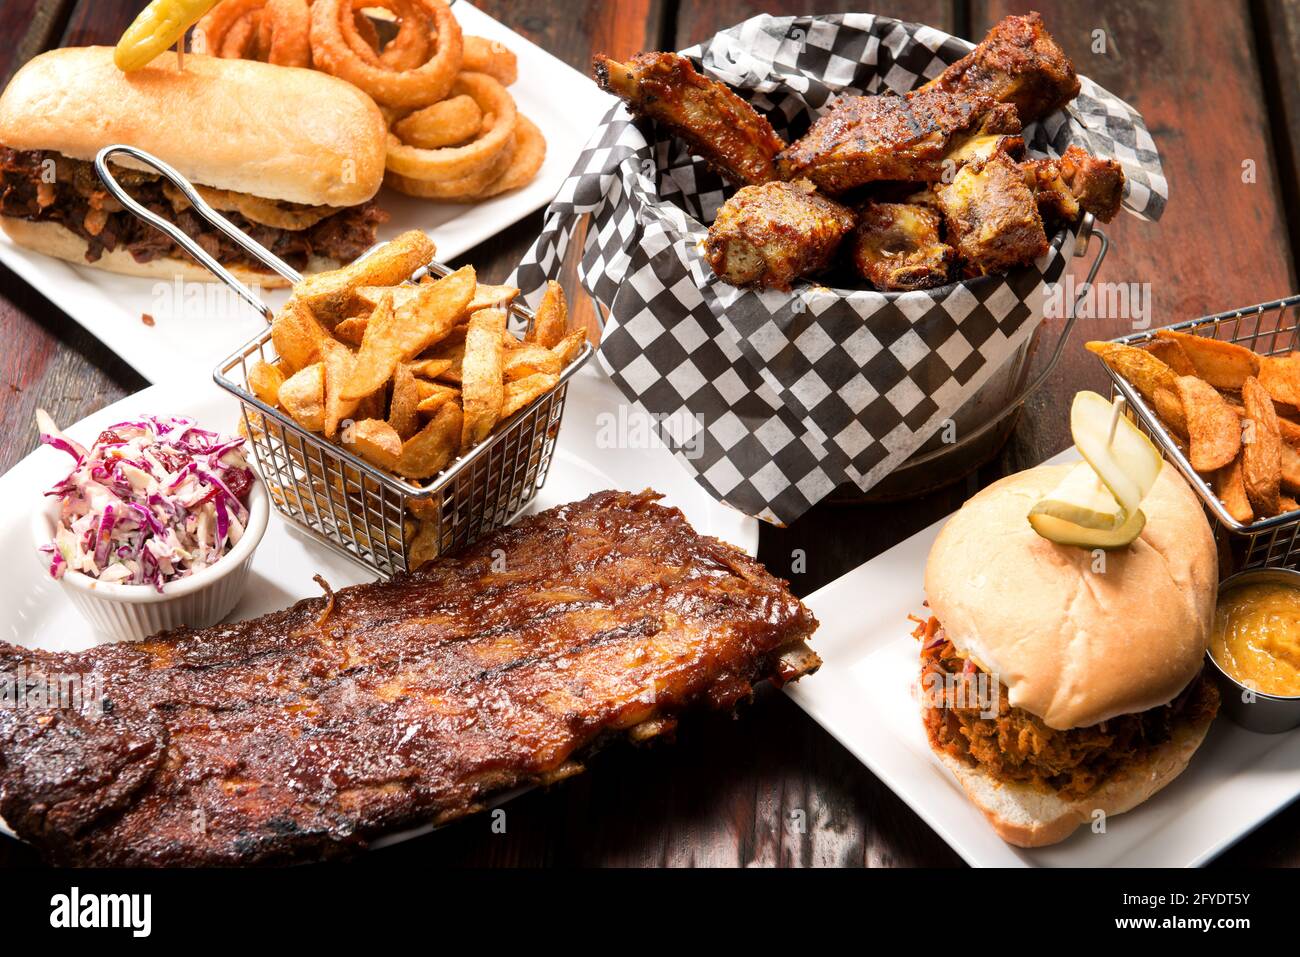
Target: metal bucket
(986, 420)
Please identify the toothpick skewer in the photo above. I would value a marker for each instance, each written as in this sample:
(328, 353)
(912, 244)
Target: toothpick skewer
(180, 53)
(1114, 418)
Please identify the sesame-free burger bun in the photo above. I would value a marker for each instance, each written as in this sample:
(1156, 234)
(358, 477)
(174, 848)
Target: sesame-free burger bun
(1076, 635)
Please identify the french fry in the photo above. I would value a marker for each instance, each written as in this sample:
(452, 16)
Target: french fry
(424, 545)
(427, 453)
(377, 442)
(1231, 489)
(482, 393)
(394, 336)
(1169, 407)
(401, 408)
(552, 317)
(339, 363)
(329, 293)
(353, 330)
(523, 391)
(1280, 377)
(1171, 353)
(265, 380)
(297, 337)
(1213, 428)
(433, 400)
(528, 359)
(1140, 368)
(570, 346)
(365, 298)
(302, 395)
(489, 297)
(1290, 469)
(430, 368)
(1223, 365)
(1261, 449)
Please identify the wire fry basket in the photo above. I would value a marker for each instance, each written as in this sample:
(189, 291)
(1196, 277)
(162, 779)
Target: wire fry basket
(1269, 328)
(379, 519)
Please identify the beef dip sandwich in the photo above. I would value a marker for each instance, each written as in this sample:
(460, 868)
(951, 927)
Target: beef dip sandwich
(294, 157)
(1059, 681)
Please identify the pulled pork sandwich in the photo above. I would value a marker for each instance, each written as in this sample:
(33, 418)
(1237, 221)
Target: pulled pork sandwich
(293, 157)
(1056, 681)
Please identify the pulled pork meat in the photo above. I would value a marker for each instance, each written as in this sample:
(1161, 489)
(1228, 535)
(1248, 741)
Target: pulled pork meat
(1018, 746)
(78, 201)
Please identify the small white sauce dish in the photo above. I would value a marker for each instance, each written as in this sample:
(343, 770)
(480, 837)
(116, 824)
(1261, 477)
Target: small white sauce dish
(134, 612)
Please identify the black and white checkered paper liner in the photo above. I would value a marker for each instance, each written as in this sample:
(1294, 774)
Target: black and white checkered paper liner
(797, 393)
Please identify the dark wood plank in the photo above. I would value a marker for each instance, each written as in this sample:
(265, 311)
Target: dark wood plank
(1277, 37)
(36, 24)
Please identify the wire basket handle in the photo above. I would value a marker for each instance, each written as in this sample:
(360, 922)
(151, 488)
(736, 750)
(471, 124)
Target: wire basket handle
(249, 245)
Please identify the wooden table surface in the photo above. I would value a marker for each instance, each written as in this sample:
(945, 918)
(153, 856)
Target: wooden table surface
(1215, 82)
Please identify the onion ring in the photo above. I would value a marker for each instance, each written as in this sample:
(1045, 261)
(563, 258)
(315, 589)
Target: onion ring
(458, 162)
(241, 39)
(213, 31)
(530, 154)
(490, 57)
(428, 83)
(284, 33)
(449, 122)
(406, 51)
(464, 188)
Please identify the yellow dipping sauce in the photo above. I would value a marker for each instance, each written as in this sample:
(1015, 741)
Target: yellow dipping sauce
(1257, 637)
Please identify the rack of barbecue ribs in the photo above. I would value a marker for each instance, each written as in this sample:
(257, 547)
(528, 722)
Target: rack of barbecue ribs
(897, 246)
(714, 122)
(385, 706)
(768, 236)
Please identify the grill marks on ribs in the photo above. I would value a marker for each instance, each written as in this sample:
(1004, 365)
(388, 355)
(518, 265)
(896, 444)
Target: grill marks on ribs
(1018, 63)
(78, 201)
(309, 730)
(867, 139)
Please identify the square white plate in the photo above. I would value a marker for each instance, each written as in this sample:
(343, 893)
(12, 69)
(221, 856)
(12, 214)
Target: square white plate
(864, 696)
(197, 325)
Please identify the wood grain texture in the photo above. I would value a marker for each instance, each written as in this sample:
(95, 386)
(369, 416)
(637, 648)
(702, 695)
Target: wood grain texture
(773, 789)
(1277, 29)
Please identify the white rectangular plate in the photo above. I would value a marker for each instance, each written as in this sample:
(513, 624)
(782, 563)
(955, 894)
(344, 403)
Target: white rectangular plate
(864, 696)
(197, 325)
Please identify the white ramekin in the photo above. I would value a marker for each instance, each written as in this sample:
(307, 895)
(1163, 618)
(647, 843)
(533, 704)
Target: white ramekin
(133, 612)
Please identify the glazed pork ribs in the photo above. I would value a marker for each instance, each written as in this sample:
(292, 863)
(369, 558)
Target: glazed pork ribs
(992, 217)
(869, 139)
(896, 246)
(770, 235)
(715, 123)
(305, 733)
(1018, 63)
(1077, 181)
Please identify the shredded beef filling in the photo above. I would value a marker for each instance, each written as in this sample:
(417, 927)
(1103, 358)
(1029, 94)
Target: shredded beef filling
(1017, 746)
(78, 201)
